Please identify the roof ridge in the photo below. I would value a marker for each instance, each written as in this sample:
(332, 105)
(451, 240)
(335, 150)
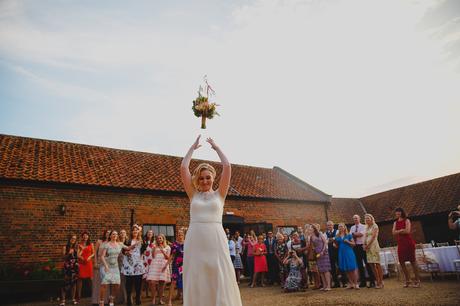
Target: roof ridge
(410, 185)
(301, 182)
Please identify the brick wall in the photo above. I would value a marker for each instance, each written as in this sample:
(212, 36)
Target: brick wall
(33, 230)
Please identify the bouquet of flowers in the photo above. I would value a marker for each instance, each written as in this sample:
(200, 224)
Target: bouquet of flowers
(202, 107)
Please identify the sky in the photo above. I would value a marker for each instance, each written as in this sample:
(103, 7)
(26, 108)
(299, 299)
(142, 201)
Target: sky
(354, 97)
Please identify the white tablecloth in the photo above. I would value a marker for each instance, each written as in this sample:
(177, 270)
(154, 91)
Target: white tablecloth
(444, 257)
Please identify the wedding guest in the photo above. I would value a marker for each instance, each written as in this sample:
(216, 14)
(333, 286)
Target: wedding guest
(177, 259)
(237, 263)
(281, 252)
(358, 231)
(95, 293)
(158, 273)
(260, 261)
(313, 272)
(239, 239)
(121, 295)
(347, 260)
(406, 246)
(85, 262)
(333, 255)
(300, 247)
(232, 247)
(110, 272)
(294, 279)
(453, 220)
(322, 257)
(149, 238)
(249, 244)
(244, 256)
(273, 271)
(70, 253)
(227, 233)
(372, 248)
(133, 266)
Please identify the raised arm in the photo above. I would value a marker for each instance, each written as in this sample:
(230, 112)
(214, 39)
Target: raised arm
(224, 183)
(185, 171)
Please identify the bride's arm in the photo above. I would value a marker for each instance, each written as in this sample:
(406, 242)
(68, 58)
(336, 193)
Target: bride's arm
(224, 183)
(185, 171)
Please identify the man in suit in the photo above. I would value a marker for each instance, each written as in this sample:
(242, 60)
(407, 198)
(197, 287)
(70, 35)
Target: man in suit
(334, 255)
(273, 273)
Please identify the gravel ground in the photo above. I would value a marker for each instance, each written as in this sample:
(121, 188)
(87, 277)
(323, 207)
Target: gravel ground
(439, 292)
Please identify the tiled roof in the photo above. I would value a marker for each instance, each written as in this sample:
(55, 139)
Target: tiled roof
(343, 209)
(63, 162)
(429, 197)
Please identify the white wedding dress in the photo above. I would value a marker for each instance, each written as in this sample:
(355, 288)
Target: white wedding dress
(209, 276)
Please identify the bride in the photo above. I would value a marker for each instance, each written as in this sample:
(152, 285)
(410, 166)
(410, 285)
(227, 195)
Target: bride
(209, 277)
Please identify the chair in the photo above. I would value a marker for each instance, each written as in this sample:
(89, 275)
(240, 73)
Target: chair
(426, 264)
(442, 244)
(393, 263)
(457, 261)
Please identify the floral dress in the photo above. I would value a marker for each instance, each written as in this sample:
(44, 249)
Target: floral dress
(294, 279)
(112, 276)
(177, 251)
(281, 250)
(373, 250)
(132, 261)
(155, 262)
(70, 269)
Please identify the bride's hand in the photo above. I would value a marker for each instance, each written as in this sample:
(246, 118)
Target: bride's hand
(212, 143)
(196, 144)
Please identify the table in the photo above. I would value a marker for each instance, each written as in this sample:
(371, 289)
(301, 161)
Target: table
(444, 257)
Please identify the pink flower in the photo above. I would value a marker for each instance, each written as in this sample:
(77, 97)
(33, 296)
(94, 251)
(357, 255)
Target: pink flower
(145, 264)
(149, 261)
(147, 253)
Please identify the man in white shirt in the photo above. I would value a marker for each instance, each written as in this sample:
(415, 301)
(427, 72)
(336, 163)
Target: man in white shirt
(239, 240)
(358, 232)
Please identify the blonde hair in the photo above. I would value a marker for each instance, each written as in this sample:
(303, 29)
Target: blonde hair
(197, 172)
(345, 227)
(370, 217)
(165, 243)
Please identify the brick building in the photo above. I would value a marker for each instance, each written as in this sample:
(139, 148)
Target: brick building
(49, 189)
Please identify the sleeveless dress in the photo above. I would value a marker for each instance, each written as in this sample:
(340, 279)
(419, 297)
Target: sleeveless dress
(347, 259)
(156, 262)
(294, 279)
(86, 267)
(373, 250)
(260, 261)
(209, 277)
(323, 263)
(111, 257)
(406, 245)
(70, 268)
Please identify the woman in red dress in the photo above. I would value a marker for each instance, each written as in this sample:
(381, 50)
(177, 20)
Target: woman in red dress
(260, 261)
(406, 246)
(85, 261)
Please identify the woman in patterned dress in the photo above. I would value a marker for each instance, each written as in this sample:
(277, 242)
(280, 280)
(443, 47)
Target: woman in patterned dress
(85, 262)
(158, 273)
(372, 248)
(294, 280)
(70, 253)
(322, 257)
(281, 252)
(110, 272)
(177, 260)
(237, 263)
(406, 246)
(133, 265)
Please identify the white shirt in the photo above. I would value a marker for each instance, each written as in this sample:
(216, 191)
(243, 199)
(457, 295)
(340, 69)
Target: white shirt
(231, 247)
(240, 242)
(360, 228)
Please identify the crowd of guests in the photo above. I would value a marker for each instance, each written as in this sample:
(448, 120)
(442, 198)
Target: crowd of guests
(116, 263)
(311, 256)
(321, 258)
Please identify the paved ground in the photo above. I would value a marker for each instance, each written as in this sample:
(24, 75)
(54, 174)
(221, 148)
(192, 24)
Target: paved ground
(439, 292)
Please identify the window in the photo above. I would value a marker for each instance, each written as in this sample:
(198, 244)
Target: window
(287, 229)
(166, 229)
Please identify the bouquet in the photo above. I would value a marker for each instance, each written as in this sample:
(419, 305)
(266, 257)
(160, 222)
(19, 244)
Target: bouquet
(202, 107)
